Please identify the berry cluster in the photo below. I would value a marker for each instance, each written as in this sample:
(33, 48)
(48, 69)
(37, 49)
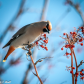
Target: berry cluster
(82, 74)
(68, 68)
(77, 73)
(67, 54)
(42, 41)
(70, 39)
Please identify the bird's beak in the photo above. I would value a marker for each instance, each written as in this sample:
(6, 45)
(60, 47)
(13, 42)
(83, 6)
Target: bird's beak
(47, 30)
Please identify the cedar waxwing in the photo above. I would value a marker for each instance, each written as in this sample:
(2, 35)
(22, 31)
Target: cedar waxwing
(27, 34)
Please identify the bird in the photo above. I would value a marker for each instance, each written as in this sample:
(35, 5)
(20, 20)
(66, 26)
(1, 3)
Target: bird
(27, 34)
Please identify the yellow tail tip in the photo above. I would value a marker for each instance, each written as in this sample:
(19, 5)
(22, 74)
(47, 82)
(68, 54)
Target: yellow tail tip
(4, 60)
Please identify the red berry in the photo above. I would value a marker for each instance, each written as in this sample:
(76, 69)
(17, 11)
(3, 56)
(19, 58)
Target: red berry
(82, 78)
(69, 53)
(80, 40)
(62, 48)
(46, 41)
(81, 27)
(77, 74)
(36, 42)
(82, 69)
(81, 73)
(81, 44)
(42, 46)
(67, 45)
(64, 33)
(71, 32)
(71, 72)
(44, 35)
(74, 32)
(40, 38)
(73, 67)
(46, 48)
(72, 46)
(76, 79)
(82, 30)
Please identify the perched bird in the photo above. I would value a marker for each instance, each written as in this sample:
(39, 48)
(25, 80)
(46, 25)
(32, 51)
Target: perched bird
(27, 34)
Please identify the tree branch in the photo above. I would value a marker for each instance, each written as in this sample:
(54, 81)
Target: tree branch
(36, 70)
(72, 65)
(76, 65)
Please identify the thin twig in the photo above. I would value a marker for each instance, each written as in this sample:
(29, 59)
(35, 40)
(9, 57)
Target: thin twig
(36, 70)
(40, 60)
(71, 59)
(72, 65)
(76, 65)
(80, 64)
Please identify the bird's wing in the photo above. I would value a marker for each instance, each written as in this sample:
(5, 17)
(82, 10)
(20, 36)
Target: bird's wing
(16, 35)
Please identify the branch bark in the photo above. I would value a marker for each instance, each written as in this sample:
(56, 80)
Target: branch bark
(76, 65)
(72, 65)
(36, 70)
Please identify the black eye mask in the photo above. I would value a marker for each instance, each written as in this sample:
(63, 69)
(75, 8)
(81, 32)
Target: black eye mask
(46, 29)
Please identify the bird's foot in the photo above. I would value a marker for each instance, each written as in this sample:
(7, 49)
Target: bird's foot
(29, 53)
(31, 45)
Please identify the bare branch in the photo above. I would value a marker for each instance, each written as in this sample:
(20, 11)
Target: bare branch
(80, 63)
(40, 60)
(36, 70)
(72, 65)
(44, 10)
(76, 65)
(34, 73)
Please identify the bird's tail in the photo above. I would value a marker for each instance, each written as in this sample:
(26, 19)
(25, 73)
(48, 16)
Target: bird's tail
(11, 49)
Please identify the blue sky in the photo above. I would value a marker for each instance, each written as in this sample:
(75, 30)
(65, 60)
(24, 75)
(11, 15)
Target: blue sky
(55, 11)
